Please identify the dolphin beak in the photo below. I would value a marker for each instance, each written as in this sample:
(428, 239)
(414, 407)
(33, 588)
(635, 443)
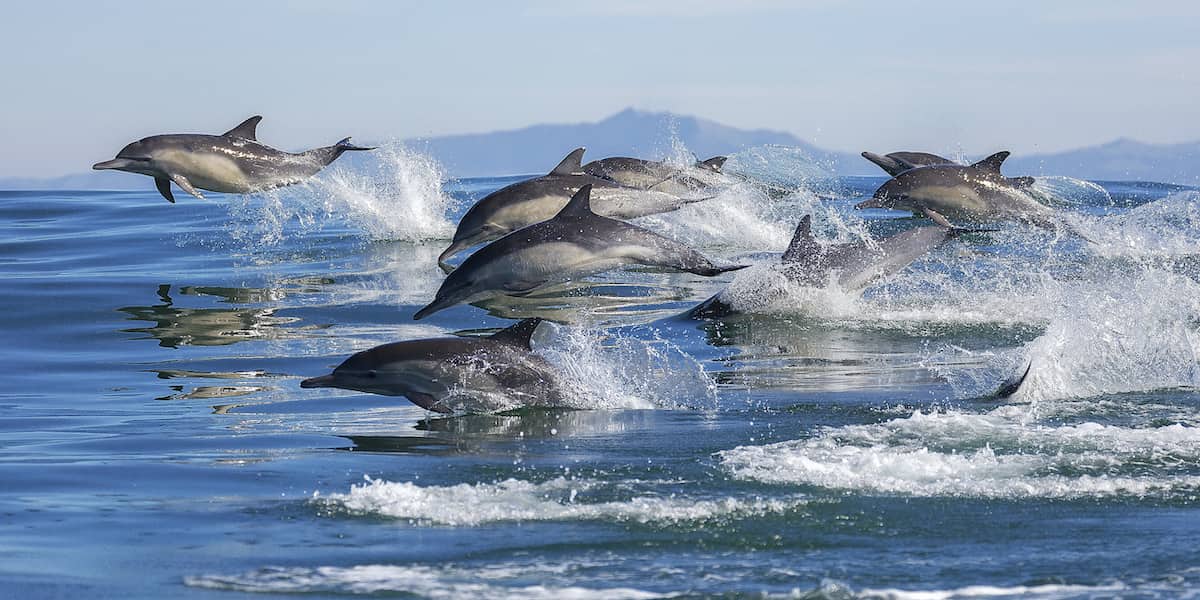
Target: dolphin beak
(869, 203)
(318, 382)
(115, 163)
(432, 307)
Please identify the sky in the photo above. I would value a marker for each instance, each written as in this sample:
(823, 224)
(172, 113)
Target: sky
(82, 79)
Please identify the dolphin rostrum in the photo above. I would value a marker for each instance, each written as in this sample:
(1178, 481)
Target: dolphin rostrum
(439, 373)
(574, 243)
(233, 162)
(896, 163)
(533, 200)
(855, 265)
(976, 193)
(659, 176)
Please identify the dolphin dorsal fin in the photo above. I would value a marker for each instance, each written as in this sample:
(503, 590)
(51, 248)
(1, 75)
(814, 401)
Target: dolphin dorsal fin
(887, 163)
(993, 162)
(713, 164)
(580, 205)
(519, 334)
(572, 164)
(246, 129)
(803, 243)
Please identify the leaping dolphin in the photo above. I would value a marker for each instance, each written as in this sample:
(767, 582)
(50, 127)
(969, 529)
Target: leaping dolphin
(856, 265)
(534, 200)
(896, 163)
(977, 193)
(233, 162)
(574, 243)
(659, 176)
(435, 373)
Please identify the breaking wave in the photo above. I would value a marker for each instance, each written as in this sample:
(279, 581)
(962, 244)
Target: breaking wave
(561, 499)
(999, 454)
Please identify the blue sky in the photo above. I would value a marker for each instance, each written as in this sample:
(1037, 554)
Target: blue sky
(84, 78)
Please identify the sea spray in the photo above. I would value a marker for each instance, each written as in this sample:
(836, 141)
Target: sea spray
(616, 370)
(394, 193)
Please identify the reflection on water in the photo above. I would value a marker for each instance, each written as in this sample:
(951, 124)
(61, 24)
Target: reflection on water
(580, 302)
(174, 327)
(805, 354)
(471, 433)
(208, 392)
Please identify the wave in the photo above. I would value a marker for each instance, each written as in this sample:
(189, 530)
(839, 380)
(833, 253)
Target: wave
(995, 455)
(561, 499)
(442, 582)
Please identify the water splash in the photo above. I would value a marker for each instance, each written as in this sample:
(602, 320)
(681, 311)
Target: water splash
(1070, 192)
(394, 194)
(609, 371)
(1137, 336)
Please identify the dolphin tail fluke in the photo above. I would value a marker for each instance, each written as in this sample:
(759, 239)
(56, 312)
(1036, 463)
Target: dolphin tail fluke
(1011, 386)
(713, 308)
(715, 163)
(713, 270)
(345, 145)
(329, 154)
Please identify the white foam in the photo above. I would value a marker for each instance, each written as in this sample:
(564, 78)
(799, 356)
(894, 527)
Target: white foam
(423, 581)
(393, 193)
(614, 371)
(1165, 228)
(999, 454)
(561, 499)
(1136, 333)
(1044, 592)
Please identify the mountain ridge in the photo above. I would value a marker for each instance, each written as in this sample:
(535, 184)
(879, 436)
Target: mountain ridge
(537, 148)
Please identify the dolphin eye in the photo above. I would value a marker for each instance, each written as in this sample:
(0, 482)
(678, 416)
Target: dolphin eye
(372, 374)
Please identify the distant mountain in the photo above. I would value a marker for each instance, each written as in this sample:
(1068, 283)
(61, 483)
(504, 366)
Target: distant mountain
(628, 133)
(1119, 160)
(538, 148)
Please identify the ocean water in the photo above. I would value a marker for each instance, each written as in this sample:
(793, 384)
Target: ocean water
(156, 442)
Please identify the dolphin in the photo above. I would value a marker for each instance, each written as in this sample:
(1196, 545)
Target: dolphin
(855, 265)
(896, 163)
(574, 243)
(534, 200)
(434, 373)
(659, 176)
(977, 193)
(233, 162)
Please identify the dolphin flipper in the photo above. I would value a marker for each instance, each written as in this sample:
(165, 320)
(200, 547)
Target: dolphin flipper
(186, 185)
(164, 187)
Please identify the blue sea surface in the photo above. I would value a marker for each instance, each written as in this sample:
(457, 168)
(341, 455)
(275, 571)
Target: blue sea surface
(156, 442)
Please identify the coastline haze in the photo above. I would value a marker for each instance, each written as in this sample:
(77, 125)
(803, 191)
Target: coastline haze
(842, 76)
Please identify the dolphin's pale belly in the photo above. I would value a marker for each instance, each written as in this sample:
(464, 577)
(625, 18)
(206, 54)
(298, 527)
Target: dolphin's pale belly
(206, 170)
(229, 172)
(534, 210)
(626, 203)
(960, 201)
